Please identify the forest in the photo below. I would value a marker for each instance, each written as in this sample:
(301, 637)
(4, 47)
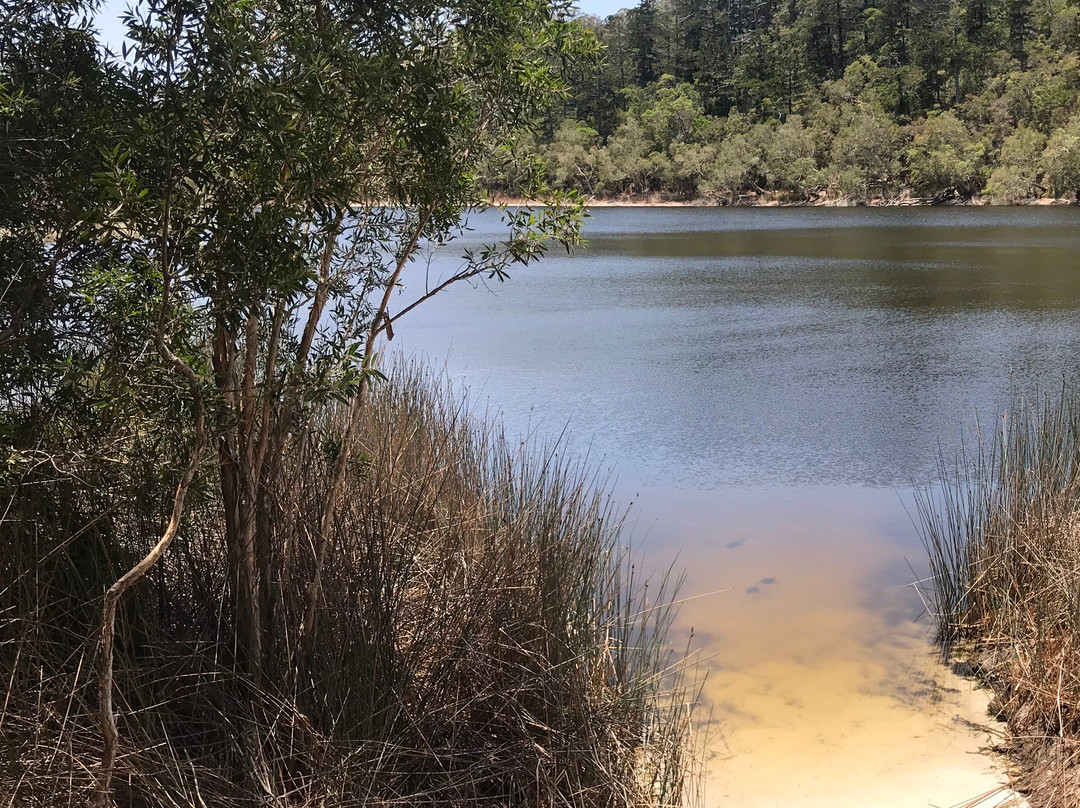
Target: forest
(813, 100)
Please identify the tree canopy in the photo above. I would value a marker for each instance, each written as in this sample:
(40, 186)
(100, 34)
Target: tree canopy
(915, 96)
(202, 242)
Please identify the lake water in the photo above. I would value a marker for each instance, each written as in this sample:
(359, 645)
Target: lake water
(767, 384)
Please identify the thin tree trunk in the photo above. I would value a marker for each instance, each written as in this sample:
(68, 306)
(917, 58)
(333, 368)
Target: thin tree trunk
(333, 495)
(109, 732)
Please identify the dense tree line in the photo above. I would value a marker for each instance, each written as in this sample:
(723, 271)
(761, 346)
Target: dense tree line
(808, 99)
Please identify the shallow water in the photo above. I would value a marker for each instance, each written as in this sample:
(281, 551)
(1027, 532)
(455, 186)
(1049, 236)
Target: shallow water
(767, 385)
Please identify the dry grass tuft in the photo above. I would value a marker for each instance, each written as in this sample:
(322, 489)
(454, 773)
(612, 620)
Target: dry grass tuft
(1003, 533)
(484, 637)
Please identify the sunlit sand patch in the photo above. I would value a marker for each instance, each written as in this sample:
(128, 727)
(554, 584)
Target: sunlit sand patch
(824, 691)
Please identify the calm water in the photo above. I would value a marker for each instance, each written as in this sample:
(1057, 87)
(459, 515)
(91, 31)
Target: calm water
(767, 384)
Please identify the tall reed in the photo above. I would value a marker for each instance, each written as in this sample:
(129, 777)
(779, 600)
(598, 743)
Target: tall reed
(1003, 536)
(484, 636)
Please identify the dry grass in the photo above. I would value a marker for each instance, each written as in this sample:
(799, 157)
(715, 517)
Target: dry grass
(1003, 534)
(484, 637)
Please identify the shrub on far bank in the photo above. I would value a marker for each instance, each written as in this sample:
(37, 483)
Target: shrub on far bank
(572, 157)
(1061, 160)
(943, 155)
(738, 164)
(1016, 176)
(864, 156)
(790, 159)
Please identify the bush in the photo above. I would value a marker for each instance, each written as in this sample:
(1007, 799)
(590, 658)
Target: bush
(572, 157)
(737, 168)
(624, 164)
(864, 162)
(790, 163)
(482, 638)
(1061, 160)
(1016, 176)
(944, 154)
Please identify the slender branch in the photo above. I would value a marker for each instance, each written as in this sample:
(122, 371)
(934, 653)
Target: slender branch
(268, 381)
(322, 291)
(110, 734)
(460, 276)
(247, 400)
(326, 522)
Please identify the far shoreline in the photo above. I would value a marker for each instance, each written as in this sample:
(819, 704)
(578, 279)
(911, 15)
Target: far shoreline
(659, 201)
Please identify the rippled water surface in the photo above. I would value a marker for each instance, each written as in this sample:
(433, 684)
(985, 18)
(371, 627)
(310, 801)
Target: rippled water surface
(767, 384)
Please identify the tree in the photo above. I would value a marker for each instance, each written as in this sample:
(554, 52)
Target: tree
(670, 112)
(864, 155)
(642, 41)
(571, 158)
(737, 168)
(1043, 94)
(1016, 176)
(243, 196)
(1061, 160)
(713, 54)
(790, 162)
(945, 154)
(624, 165)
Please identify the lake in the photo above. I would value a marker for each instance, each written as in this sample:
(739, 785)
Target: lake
(767, 385)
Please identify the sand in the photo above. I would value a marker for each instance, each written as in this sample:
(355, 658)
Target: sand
(823, 689)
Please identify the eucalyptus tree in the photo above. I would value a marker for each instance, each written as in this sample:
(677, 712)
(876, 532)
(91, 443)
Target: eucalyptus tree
(239, 195)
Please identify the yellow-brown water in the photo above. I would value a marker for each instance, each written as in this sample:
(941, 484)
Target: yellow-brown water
(823, 690)
(767, 385)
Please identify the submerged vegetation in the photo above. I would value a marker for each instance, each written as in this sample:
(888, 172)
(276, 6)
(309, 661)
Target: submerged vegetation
(240, 565)
(809, 100)
(1004, 542)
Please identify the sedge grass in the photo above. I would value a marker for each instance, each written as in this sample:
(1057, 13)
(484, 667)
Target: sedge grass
(484, 637)
(1003, 536)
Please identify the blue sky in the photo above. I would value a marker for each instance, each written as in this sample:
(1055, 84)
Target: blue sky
(112, 31)
(602, 8)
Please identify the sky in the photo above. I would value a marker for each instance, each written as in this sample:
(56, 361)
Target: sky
(601, 8)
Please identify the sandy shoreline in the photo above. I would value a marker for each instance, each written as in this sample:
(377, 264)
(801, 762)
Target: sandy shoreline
(816, 699)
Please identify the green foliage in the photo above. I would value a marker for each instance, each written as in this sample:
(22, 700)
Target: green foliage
(225, 159)
(790, 158)
(1061, 160)
(944, 154)
(670, 113)
(624, 165)
(1016, 176)
(738, 165)
(943, 85)
(572, 157)
(864, 155)
(1043, 94)
(60, 105)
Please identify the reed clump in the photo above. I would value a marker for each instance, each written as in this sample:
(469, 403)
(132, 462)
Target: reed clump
(1003, 535)
(483, 635)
